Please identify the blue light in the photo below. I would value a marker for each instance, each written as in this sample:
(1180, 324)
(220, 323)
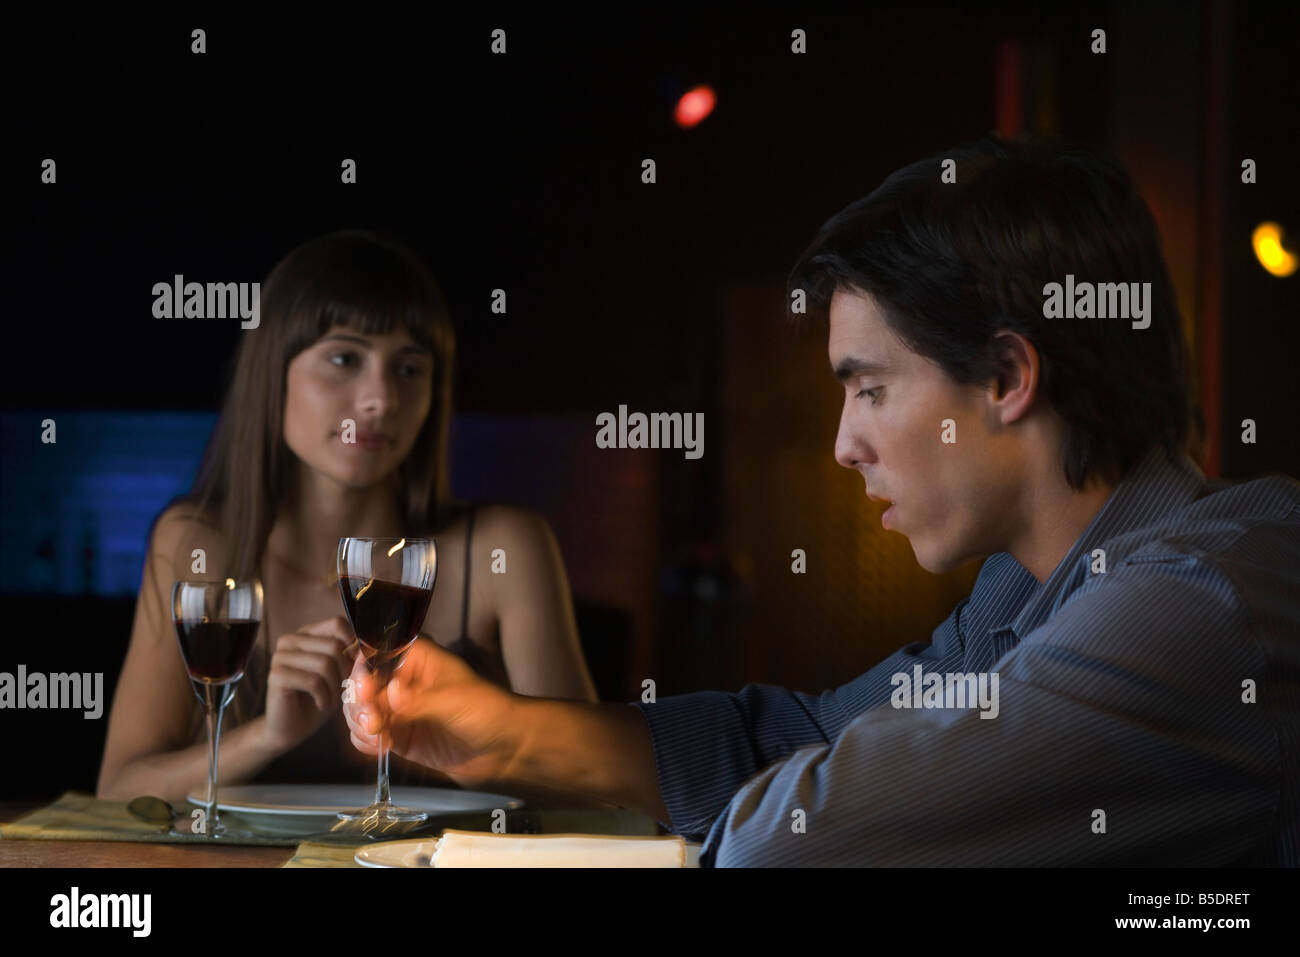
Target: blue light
(77, 511)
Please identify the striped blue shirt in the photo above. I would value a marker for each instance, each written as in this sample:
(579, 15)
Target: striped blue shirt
(1148, 710)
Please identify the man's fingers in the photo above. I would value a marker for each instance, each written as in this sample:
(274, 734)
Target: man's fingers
(399, 695)
(362, 680)
(405, 696)
(349, 716)
(366, 689)
(360, 719)
(363, 745)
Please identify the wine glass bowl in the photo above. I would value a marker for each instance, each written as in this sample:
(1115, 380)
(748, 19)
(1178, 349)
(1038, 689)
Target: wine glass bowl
(216, 626)
(386, 585)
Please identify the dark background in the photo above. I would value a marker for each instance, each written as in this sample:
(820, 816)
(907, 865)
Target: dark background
(522, 172)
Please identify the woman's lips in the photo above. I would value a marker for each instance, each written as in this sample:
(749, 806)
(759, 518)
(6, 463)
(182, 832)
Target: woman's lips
(369, 441)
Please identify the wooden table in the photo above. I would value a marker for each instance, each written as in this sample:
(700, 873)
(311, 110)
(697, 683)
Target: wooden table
(50, 853)
(125, 853)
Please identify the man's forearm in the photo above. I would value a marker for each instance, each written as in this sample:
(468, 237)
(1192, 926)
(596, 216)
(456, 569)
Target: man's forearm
(602, 751)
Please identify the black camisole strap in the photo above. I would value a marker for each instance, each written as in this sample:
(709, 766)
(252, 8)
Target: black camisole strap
(464, 615)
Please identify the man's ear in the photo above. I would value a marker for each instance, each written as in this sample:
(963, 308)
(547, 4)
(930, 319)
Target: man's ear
(1011, 395)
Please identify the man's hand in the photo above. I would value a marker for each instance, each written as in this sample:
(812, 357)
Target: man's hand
(437, 712)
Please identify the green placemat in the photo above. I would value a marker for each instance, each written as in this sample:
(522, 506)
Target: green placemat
(315, 854)
(612, 822)
(83, 817)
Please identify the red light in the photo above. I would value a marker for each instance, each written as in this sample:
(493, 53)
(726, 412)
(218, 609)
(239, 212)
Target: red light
(694, 106)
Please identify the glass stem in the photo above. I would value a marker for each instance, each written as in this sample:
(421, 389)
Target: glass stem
(215, 699)
(381, 789)
(214, 749)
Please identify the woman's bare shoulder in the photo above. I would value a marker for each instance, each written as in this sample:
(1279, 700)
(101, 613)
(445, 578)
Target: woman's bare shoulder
(520, 533)
(490, 518)
(183, 527)
(511, 521)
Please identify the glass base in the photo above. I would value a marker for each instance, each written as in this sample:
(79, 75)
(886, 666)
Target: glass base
(380, 815)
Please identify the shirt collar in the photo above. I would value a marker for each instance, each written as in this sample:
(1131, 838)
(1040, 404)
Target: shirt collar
(1154, 488)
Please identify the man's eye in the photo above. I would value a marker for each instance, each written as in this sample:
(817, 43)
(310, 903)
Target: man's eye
(872, 393)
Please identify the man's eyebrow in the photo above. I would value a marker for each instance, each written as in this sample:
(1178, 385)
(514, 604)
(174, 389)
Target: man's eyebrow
(851, 366)
(366, 342)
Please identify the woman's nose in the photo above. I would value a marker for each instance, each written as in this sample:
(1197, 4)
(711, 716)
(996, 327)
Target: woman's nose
(378, 393)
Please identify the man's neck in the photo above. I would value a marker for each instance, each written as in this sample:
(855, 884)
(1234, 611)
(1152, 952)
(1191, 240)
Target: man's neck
(1050, 519)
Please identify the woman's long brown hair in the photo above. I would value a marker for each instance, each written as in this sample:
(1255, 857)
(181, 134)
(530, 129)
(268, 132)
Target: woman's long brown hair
(354, 279)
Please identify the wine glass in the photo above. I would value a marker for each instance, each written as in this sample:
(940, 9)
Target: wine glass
(387, 584)
(216, 626)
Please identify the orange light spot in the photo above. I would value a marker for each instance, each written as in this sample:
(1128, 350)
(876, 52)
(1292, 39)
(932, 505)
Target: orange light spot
(694, 106)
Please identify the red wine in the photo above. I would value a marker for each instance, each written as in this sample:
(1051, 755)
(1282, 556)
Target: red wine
(216, 651)
(385, 616)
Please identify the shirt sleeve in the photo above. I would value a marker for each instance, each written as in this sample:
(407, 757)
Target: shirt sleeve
(1121, 737)
(708, 743)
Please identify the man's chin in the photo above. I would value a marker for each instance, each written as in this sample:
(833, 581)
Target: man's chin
(932, 563)
(923, 558)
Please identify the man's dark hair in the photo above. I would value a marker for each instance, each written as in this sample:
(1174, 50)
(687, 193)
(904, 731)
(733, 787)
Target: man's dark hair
(949, 264)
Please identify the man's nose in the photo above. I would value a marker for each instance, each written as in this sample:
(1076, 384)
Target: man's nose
(851, 449)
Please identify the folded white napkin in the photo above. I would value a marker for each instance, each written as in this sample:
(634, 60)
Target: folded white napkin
(478, 849)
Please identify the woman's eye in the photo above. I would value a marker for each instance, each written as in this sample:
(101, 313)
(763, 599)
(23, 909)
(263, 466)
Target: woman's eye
(872, 393)
(349, 360)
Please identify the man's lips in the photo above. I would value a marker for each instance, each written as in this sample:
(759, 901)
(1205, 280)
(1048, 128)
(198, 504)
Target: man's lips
(884, 516)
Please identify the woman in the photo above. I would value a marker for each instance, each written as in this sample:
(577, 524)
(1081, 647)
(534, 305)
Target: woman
(353, 328)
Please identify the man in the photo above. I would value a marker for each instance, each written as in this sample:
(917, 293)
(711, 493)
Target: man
(1129, 651)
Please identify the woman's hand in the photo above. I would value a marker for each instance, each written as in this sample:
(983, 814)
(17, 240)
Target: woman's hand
(305, 682)
(437, 712)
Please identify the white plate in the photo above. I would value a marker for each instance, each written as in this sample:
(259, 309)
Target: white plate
(417, 853)
(326, 800)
